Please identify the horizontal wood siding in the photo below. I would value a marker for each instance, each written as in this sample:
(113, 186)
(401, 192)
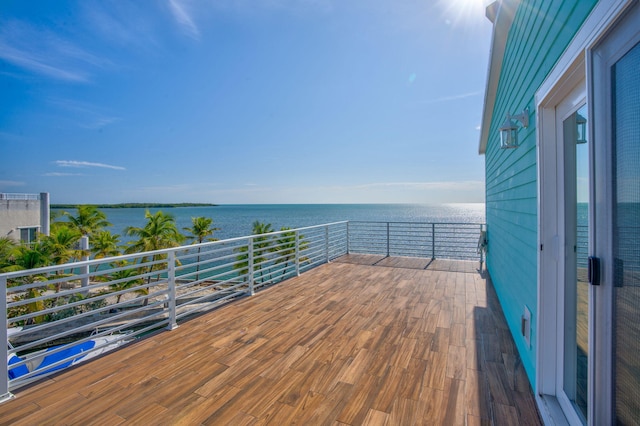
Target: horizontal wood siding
(539, 34)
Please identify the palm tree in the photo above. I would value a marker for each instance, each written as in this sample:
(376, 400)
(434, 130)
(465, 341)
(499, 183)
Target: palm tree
(125, 274)
(261, 245)
(201, 229)
(7, 250)
(160, 232)
(105, 244)
(61, 244)
(28, 257)
(286, 248)
(89, 220)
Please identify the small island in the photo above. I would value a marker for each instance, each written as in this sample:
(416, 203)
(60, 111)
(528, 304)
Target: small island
(134, 205)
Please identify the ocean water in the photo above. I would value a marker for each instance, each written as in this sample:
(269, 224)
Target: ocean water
(237, 220)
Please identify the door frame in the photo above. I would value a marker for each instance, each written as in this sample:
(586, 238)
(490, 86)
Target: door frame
(566, 99)
(573, 67)
(617, 42)
(575, 100)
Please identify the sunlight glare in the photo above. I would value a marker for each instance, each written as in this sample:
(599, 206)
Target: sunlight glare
(462, 12)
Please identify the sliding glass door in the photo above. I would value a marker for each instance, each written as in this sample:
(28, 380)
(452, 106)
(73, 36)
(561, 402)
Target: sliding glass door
(616, 65)
(576, 287)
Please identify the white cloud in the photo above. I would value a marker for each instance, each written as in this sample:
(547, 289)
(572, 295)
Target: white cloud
(381, 192)
(74, 163)
(298, 7)
(45, 53)
(452, 97)
(100, 122)
(58, 174)
(123, 23)
(34, 62)
(88, 116)
(449, 185)
(402, 192)
(10, 183)
(177, 188)
(182, 17)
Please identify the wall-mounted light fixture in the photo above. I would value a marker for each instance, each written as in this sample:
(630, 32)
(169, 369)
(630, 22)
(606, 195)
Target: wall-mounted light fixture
(581, 124)
(509, 130)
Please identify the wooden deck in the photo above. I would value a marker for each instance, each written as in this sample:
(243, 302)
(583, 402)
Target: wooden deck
(347, 343)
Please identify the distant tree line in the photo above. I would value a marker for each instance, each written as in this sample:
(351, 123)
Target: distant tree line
(159, 232)
(62, 244)
(133, 205)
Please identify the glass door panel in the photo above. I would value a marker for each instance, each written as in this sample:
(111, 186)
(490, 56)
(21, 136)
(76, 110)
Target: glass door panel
(576, 294)
(626, 236)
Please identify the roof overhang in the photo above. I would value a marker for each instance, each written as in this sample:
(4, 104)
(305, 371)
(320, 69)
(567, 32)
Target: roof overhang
(501, 14)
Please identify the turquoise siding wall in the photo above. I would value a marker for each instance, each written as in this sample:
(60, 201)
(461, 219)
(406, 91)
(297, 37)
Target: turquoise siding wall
(540, 32)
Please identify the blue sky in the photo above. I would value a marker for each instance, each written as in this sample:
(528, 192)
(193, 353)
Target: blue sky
(243, 101)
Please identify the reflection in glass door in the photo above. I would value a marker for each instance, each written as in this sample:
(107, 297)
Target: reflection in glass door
(626, 236)
(576, 288)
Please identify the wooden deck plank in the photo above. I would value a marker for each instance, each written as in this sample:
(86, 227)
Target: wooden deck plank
(375, 418)
(476, 395)
(407, 411)
(404, 262)
(432, 399)
(357, 341)
(454, 410)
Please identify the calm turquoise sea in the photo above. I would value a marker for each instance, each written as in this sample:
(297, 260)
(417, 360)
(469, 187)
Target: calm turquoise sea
(236, 220)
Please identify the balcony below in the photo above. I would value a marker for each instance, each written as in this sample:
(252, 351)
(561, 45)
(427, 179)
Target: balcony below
(365, 339)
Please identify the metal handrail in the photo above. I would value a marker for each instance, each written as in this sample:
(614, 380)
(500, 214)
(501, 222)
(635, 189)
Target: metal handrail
(134, 294)
(19, 196)
(416, 239)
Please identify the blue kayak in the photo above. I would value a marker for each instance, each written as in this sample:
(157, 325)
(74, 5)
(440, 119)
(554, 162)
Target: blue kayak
(72, 355)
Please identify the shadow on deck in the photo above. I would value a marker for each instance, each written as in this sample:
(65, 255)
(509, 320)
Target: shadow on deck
(412, 263)
(346, 343)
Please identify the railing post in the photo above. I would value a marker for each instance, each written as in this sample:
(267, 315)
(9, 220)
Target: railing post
(326, 243)
(250, 267)
(388, 245)
(348, 241)
(5, 395)
(297, 253)
(433, 241)
(171, 279)
(481, 251)
(84, 245)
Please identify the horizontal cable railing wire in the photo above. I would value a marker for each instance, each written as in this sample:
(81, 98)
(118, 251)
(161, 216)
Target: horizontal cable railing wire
(58, 315)
(21, 197)
(582, 245)
(456, 241)
(430, 240)
(51, 313)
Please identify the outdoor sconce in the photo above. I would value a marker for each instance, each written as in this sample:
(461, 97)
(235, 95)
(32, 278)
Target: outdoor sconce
(509, 130)
(581, 124)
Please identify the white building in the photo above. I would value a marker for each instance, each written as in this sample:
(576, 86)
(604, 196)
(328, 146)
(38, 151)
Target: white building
(24, 215)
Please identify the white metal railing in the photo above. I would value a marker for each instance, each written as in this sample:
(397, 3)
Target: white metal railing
(582, 245)
(125, 297)
(15, 196)
(415, 239)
